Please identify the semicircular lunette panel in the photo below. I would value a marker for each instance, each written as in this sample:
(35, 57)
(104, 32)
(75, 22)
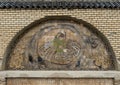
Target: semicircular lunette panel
(60, 45)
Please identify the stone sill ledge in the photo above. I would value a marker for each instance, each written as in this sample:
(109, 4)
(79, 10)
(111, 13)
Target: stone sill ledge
(60, 74)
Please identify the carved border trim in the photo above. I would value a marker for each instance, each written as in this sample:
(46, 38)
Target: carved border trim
(59, 5)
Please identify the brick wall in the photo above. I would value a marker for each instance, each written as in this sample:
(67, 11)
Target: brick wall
(105, 20)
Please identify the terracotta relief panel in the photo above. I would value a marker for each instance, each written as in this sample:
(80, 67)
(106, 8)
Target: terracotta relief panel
(60, 45)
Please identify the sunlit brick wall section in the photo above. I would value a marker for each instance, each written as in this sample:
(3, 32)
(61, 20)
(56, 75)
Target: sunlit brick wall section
(105, 20)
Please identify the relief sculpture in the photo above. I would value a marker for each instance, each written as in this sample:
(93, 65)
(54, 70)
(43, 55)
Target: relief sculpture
(60, 45)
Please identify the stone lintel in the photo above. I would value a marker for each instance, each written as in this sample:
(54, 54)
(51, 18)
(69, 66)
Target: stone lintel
(60, 74)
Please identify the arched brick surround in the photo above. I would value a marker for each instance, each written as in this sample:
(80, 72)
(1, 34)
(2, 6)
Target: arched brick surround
(90, 27)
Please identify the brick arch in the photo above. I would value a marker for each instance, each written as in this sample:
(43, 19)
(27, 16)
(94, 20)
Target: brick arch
(90, 27)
